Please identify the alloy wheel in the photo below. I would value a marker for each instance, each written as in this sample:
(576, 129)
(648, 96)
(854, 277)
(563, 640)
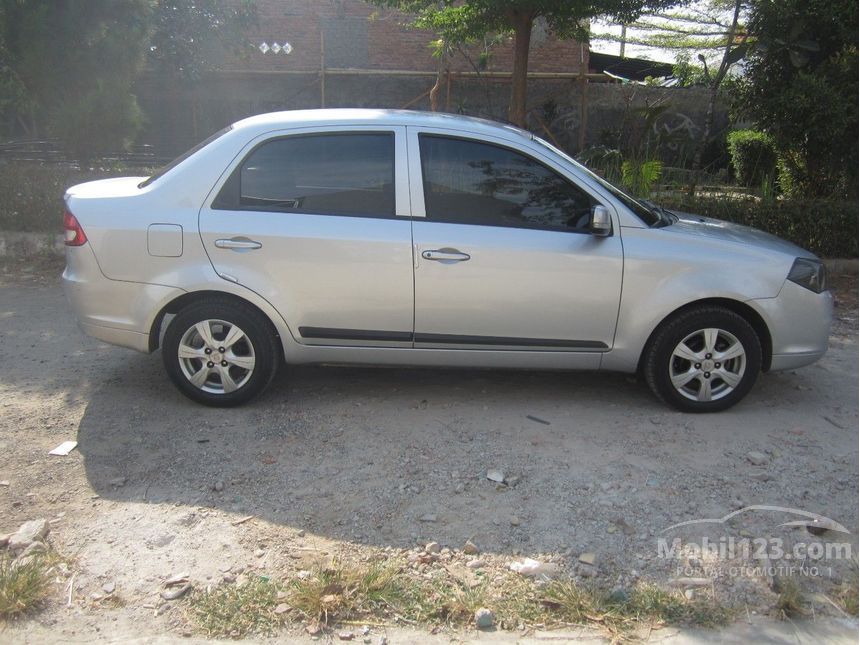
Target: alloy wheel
(707, 365)
(216, 356)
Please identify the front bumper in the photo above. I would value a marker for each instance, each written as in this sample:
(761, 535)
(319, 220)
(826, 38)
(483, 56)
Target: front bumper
(799, 322)
(114, 311)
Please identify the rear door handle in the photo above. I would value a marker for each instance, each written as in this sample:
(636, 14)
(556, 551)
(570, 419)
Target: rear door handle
(238, 244)
(445, 255)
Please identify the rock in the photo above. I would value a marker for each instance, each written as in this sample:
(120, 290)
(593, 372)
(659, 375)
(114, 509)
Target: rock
(756, 458)
(259, 553)
(512, 481)
(218, 487)
(117, 482)
(470, 548)
(484, 618)
(688, 594)
(346, 636)
(515, 521)
(178, 579)
(282, 608)
(534, 568)
(176, 592)
(619, 595)
(300, 533)
(496, 476)
(586, 571)
(5, 482)
(587, 558)
(4, 539)
(109, 587)
(760, 477)
(432, 547)
(314, 629)
(28, 533)
(475, 564)
(429, 517)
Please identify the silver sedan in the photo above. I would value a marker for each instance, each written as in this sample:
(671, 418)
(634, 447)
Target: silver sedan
(407, 238)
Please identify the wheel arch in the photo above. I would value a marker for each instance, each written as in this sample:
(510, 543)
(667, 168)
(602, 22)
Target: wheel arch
(742, 309)
(179, 303)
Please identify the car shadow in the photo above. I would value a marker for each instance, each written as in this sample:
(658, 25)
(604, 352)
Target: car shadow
(388, 456)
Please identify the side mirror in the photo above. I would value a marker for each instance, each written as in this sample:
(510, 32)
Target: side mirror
(601, 222)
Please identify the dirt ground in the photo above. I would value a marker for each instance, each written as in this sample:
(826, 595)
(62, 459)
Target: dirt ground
(350, 462)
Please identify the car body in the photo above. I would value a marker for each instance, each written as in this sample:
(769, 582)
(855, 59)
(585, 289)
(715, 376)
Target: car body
(408, 238)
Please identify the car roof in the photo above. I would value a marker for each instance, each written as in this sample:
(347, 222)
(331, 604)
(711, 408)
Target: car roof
(356, 116)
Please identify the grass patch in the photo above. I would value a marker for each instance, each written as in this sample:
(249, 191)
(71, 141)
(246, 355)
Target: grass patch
(23, 587)
(235, 611)
(388, 593)
(790, 602)
(622, 612)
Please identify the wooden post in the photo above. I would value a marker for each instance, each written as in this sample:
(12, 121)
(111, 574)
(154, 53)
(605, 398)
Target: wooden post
(322, 67)
(583, 98)
(448, 91)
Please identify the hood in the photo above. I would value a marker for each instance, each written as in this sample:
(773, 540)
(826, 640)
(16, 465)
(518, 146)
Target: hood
(718, 230)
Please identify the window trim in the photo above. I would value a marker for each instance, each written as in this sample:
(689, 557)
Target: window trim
(233, 181)
(421, 133)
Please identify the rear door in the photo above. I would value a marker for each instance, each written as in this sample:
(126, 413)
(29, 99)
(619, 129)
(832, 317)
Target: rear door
(505, 257)
(317, 222)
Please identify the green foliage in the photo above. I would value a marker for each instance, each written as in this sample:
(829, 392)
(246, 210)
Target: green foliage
(31, 194)
(62, 55)
(188, 36)
(801, 88)
(688, 73)
(639, 177)
(827, 227)
(753, 157)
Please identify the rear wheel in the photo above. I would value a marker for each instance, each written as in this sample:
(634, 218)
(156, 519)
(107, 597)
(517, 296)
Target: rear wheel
(704, 360)
(220, 353)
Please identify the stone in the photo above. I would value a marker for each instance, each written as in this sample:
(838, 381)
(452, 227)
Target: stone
(496, 476)
(475, 564)
(469, 548)
(176, 592)
(756, 458)
(587, 558)
(346, 636)
(515, 521)
(484, 618)
(109, 587)
(432, 547)
(218, 487)
(314, 628)
(28, 533)
(282, 608)
(429, 517)
(117, 482)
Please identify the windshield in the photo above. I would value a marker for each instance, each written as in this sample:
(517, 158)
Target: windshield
(651, 215)
(165, 169)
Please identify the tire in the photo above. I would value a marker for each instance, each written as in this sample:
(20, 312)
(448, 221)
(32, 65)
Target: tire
(192, 354)
(683, 365)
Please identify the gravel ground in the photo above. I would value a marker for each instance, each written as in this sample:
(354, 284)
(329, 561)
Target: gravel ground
(349, 462)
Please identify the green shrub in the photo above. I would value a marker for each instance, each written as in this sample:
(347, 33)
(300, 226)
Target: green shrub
(31, 194)
(753, 157)
(827, 227)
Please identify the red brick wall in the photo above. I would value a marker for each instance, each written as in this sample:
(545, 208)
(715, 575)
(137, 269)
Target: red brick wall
(359, 35)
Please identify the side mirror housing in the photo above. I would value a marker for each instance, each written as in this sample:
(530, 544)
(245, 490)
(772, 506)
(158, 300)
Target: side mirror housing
(601, 222)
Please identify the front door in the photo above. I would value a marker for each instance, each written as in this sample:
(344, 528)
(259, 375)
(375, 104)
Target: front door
(318, 224)
(505, 258)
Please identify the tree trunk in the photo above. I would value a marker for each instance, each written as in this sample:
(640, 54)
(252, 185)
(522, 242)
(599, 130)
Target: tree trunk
(696, 170)
(519, 79)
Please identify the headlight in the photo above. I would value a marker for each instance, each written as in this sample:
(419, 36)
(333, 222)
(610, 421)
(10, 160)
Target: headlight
(809, 274)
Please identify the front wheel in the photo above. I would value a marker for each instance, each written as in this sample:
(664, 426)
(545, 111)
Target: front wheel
(220, 353)
(704, 360)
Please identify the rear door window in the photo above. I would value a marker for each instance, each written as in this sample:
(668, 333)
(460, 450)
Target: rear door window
(325, 174)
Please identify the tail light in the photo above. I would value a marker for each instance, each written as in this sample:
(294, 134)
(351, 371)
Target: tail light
(75, 235)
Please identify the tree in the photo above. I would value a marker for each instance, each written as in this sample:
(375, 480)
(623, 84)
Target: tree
(68, 66)
(801, 88)
(459, 21)
(712, 30)
(188, 37)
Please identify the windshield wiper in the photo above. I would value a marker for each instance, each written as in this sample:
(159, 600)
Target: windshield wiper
(665, 217)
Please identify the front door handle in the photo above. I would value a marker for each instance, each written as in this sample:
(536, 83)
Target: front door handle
(445, 255)
(238, 244)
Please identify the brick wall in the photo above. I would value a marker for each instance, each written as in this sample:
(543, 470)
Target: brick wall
(356, 34)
